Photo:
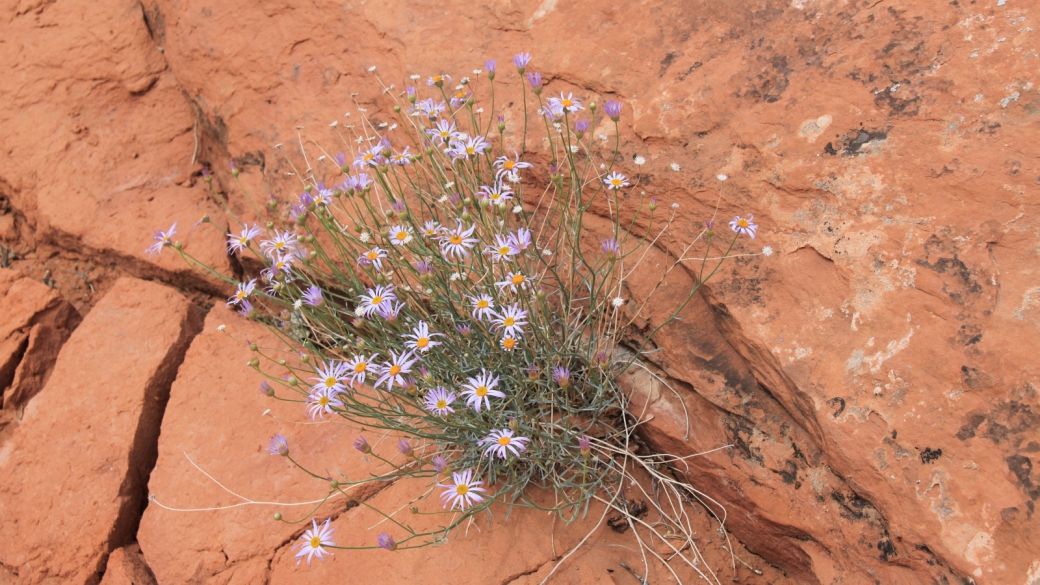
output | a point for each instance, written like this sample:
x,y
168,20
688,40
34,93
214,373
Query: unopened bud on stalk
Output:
x,y
541,295
313,254
653,203
278,516
429,151
270,225
292,381
253,347
592,106
465,215
485,203
334,484
709,227
309,238
397,109
501,126
281,362
234,169
272,203
253,363
305,357
308,188
176,245
513,424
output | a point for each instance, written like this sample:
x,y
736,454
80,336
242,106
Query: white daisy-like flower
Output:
x,y
244,290
518,209
439,400
297,304
767,251
457,242
477,390
320,403
721,177
373,257
357,368
313,541
477,71
502,442
400,235
617,302
330,376
639,161
393,370
365,237
508,343
511,320
675,167
381,297
574,148
420,339
462,491
483,306
513,281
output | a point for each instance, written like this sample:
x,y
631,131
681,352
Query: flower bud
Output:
x,y
305,357
292,380
278,516
397,109
253,363
513,425
501,126
253,347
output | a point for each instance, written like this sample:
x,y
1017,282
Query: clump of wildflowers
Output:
x,y
444,297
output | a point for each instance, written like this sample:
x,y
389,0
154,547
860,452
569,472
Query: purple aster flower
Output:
x,y
266,389
398,206
306,200
521,60
533,372
278,445
653,203
535,79
562,375
386,541
297,212
613,109
410,90
312,296
744,226
610,248
581,127
710,225
464,329
362,445
490,65
234,168
313,541
206,173
341,159
501,443
424,268
162,239
245,308
439,463
585,444
602,359
405,448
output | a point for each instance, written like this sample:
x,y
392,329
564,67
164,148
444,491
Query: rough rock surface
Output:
x,y
36,321
126,566
75,466
219,421
874,373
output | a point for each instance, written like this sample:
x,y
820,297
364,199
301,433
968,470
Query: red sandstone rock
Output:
x,y
126,566
89,76
886,149
34,322
75,466
217,417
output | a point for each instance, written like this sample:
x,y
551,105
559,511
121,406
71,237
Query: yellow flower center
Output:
x,y
422,342
360,367
402,235
483,304
324,401
742,223
518,279
615,182
470,150
243,241
438,78
508,165
279,245
504,250
509,343
315,542
330,382
240,294
461,489
508,321
442,404
460,95
377,300
372,255
481,391
503,440
394,370
566,103
455,239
